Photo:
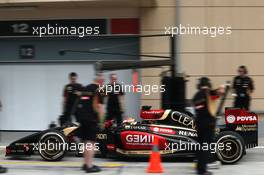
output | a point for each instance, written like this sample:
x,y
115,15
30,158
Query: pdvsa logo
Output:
x,y
156,129
246,118
163,130
231,119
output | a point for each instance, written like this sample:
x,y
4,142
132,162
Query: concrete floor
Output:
x,y
251,164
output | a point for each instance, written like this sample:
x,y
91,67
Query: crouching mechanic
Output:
x,y
90,111
204,102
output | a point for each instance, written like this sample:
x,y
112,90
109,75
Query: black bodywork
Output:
x,y
134,138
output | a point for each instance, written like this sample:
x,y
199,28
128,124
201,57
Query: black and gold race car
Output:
x,y
175,132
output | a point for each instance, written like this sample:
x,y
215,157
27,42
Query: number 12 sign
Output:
x,y
27,52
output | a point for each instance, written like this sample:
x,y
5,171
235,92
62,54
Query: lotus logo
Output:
x,y
230,118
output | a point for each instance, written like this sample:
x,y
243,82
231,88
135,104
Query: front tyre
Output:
x,y
233,149
52,146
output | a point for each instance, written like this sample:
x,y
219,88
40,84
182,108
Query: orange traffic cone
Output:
x,y
155,165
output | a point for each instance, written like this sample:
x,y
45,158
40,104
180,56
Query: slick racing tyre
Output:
x,y
52,146
234,147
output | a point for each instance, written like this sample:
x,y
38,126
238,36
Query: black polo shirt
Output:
x,y
113,103
242,84
69,92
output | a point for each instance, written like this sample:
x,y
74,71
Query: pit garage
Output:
x,y
34,71
144,42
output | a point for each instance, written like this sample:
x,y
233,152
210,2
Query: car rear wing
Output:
x,y
245,123
149,114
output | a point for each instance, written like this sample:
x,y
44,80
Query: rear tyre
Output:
x,y
52,146
234,147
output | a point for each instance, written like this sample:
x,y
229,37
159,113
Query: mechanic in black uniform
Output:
x,y
243,87
115,100
90,111
205,109
69,99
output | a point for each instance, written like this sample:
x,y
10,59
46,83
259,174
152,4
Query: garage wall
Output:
x,y
199,56
153,19
64,10
219,57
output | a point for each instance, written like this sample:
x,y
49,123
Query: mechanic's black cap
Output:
x,y
204,81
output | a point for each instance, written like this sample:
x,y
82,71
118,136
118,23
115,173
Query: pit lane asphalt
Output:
x,y
251,164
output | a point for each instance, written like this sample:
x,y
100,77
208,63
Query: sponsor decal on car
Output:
x,y
111,147
140,140
230,118
240,116
183,119
187,133
101,136
246,128
151,114
135,127
246,118
163,130
26,147
85,97
217,130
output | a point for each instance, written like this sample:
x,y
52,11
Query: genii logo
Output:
x,y
139,138
135,140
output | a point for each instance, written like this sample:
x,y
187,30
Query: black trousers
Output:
x,y
242,102
66,118
115,115
88,130
205,136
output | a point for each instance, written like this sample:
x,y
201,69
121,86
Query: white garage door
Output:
x,y
32,94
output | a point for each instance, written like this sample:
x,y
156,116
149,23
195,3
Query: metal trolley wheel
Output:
x,y
234,147
52,146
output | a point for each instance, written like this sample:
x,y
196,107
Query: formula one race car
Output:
x,y
174,130
177,136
